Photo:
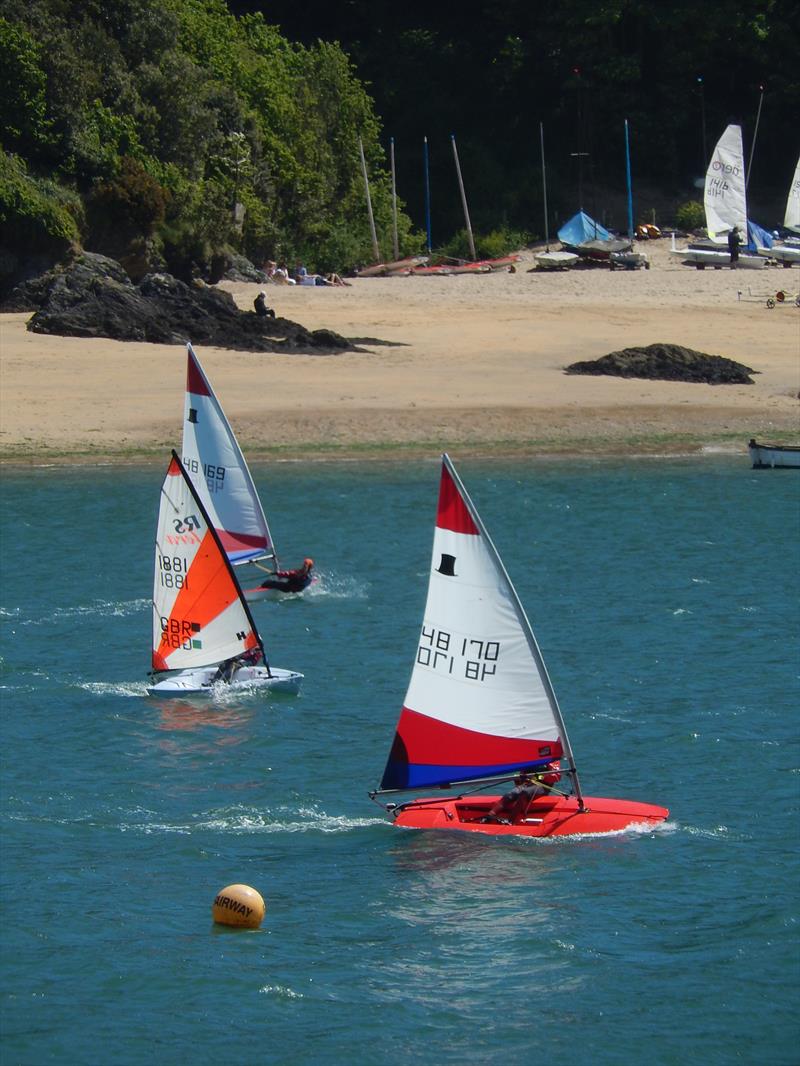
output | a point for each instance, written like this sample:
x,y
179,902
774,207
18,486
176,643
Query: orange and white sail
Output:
x,y
214,461
199,614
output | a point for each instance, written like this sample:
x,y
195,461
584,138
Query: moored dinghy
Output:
x,y
774,456
203,632
480,705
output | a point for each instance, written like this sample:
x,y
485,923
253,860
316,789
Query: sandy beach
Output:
x,y
472,363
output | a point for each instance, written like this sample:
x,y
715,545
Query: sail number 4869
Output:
x,y
466,657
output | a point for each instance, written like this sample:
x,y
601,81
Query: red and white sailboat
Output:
x,y
203,631
214,461
480,705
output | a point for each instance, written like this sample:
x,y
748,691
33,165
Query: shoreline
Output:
x,y
654,448
470,364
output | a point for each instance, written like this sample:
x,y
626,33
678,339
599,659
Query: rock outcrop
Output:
x,y
94,297
667,362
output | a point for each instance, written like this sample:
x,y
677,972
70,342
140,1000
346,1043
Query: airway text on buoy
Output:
x,y
239,905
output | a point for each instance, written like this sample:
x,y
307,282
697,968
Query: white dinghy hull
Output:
x,y
201,681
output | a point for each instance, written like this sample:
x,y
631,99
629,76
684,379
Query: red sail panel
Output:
x,y
195,381
427,751
452,512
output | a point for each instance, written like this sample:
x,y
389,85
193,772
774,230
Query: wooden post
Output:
x,y
375,249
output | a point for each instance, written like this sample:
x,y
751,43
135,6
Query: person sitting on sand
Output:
x,y
290,580
260,304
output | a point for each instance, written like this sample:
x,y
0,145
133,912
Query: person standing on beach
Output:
x,y
734,240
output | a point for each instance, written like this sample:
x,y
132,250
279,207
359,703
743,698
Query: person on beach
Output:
x,y
513,806
281,275
734,240
260,305
290,580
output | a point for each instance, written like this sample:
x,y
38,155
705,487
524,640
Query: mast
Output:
x,y
427,192
544,189
628,178
463,199
395,246
755,135
526,627
375,250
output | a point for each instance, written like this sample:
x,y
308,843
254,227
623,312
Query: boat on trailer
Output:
x,y
203,632
480,708
774,456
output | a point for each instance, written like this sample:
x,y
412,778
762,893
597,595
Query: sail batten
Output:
x,y
479,702
725,198
215,463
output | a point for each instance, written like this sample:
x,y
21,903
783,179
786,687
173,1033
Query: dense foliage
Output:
x,y
489,71
167,131
180,130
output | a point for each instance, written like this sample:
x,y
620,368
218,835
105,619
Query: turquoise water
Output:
x,y
664,595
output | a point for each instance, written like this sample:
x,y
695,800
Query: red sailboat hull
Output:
x,y
547,816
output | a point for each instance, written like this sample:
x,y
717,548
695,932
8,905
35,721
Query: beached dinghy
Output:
x,y
203,632
218,470
480,704
787,251
725,205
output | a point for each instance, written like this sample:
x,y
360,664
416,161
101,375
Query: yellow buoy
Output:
x,y
239,905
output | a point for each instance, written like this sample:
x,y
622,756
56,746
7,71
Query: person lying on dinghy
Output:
x,y
527,787
291,580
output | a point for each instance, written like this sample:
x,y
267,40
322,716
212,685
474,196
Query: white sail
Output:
x,y
479,701
214,461
199,615
791,219
725,200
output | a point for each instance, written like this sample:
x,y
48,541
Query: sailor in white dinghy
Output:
x,y
203,631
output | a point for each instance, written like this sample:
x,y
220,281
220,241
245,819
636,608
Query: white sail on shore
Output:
x,y
791,219
724,199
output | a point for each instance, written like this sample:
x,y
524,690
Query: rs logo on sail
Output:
x,y
185,528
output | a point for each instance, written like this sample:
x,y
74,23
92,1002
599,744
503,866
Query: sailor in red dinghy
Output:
x,y
480,707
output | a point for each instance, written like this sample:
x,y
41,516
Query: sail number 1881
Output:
x,y
172,571
466,657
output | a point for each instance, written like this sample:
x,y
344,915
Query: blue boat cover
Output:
x,y
757,237
581,228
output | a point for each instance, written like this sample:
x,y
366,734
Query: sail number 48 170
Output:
x,y
462,657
